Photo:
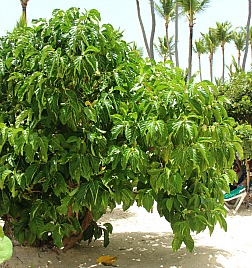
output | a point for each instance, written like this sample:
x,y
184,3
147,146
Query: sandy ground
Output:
x,y
143,240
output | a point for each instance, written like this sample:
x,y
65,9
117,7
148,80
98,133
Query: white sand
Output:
x,y
143,240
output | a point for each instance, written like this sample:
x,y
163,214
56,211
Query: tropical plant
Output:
x,y
247,36
83,119
190,8
60,81
239,39
162,48
224,35
200,49
149,46
211,44
238,89
166,9
239,94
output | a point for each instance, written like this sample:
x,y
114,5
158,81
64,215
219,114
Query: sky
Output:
x,y
122,14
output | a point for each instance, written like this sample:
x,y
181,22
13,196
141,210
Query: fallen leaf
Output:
x,y
106,260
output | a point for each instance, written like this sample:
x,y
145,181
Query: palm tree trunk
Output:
x,y
247,36
24,12
211,66
190,50
176,35
239,59
167,41
200,68
142,29
223,62
153,28
24,6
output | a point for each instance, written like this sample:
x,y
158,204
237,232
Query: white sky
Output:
x,y
122,14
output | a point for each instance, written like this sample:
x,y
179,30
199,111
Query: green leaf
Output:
x,y
116,130
1,232
57,236
43,142
148,202
169,203
189,242
30,173
176,242
5,174
106,238
94,189
6,249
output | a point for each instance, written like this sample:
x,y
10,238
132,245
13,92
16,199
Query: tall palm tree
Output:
x,y
190,8
199,48
149,46
211,44
24,6
247,36
153,28
162,47
176,32
239,39
166,9
224,35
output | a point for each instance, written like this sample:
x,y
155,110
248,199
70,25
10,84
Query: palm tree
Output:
x,y
239,38
153,27
176,32
149,47
137,50
200,49
211,44
166,9
24,5
224,35
247,36
190,8
162,48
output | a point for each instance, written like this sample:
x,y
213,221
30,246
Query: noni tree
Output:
x,y
83,119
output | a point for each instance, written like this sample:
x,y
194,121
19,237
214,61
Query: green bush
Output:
x,y
83,119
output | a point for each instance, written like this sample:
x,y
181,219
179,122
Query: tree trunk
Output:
x,y
239,59
142,29
211,66
200,68
24,5
223,62
153,28
24,12
176,36
70,241
247,36
190,50
167,40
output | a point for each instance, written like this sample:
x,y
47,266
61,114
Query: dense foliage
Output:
x,y
238,89
83,119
